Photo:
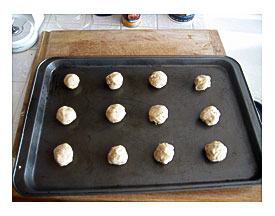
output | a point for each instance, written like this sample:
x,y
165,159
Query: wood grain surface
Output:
x,y
133,42
136,42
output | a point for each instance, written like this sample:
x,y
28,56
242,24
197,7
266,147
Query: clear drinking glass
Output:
x,y
74,21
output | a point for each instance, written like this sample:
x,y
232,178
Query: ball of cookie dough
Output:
x,y
66,115
63,154
202,82
115,113
158,114
71,81
117,155
216,151
114,80
164,153
210,115
158,79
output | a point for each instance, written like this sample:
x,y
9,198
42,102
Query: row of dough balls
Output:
x,y
157,79
63,154
114,113
157,114
164,153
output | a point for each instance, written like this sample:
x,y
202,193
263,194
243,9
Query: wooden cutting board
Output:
x,y
133,42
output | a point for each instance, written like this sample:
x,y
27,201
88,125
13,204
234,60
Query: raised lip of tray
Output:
x,y
25,190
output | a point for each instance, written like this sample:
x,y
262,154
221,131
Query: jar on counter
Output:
x,y
131,20
181,17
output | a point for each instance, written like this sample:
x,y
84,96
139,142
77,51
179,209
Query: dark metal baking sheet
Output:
x,y
91,135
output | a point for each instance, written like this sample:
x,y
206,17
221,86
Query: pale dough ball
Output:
x,y
202,82
158,79
210,115
66,115
216,151
158,114
63,154
115,113
117,155
71,81
164,153
114,80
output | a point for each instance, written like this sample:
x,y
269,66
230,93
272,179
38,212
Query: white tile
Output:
x,y
17,90
105,27
69,24
21,64
148,20
52,18
89,27
43,27
200,22
69,18
47,17
164,22
114,19
234,23
52,26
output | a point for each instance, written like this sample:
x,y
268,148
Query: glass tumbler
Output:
x,y
73,21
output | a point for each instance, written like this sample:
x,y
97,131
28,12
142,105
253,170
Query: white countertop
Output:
x,y
241,36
